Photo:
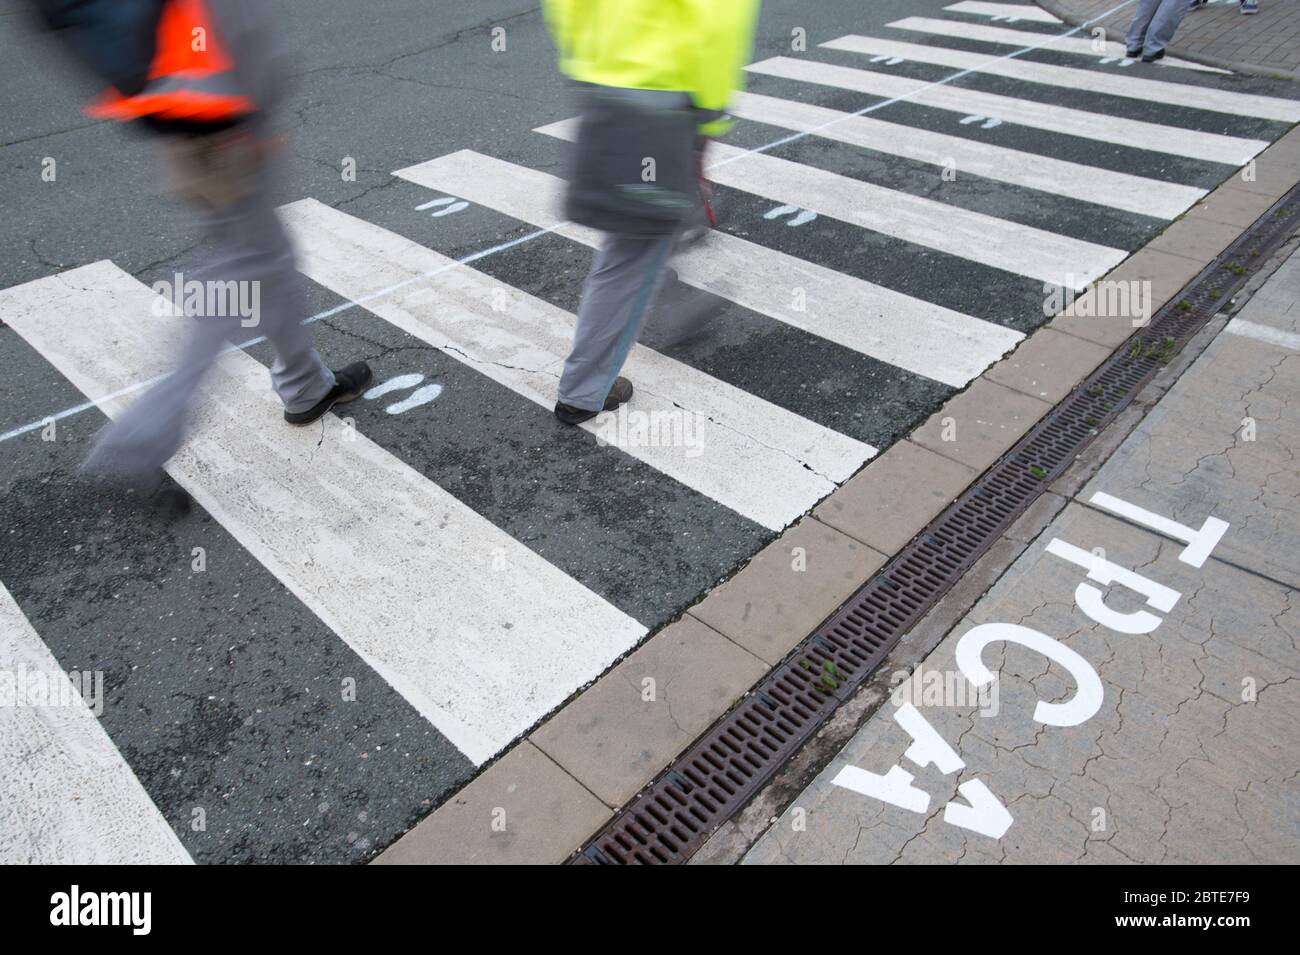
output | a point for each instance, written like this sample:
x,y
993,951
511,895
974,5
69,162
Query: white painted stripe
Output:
x,y
1264,333
481,635
758,459
1094,81
923,338
1027,38
1210,147
1021,11
1010,246
1117,190
67,797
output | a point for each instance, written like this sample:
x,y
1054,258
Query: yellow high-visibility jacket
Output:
x,y
694,46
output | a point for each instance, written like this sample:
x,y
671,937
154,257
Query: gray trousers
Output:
x,y
249,245
616,300
1154,25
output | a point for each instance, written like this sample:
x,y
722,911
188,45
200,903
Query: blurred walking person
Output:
x,y
654,78
204,77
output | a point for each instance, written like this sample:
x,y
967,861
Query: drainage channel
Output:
x,y
672,818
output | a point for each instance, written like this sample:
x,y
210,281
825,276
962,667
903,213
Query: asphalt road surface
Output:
x,y
386,602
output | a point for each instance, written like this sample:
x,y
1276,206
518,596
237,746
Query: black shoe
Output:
x,y
1133,54
349,382
1152,57
618,394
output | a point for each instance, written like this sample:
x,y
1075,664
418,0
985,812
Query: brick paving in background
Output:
x,y
1219,34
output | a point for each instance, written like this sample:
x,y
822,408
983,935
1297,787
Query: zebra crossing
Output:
x,y
387,601
926,339
1192,143
1021,39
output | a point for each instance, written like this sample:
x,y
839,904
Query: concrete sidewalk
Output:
x,y
1146,706
1265,43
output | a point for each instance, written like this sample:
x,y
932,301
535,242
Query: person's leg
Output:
x,y
256,251
250,248
616,298
1163,26
1137,31
143,438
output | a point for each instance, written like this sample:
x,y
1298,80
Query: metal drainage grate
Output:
x,y
670,820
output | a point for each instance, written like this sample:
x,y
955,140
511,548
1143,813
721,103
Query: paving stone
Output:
x,y
1286,149
1230,205
1048,365
1094,315
614,740
523,810
978,426
1198,239
1272,176
895,496
789,588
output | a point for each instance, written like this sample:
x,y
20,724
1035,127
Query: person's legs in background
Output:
x,y
1137,31
1163,24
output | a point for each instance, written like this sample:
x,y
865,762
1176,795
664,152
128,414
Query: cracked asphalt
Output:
x,y
1192,754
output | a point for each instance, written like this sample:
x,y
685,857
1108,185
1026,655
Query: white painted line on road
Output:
x,y
921,337
481,635
67,796
760,460
1111,84
1016,11
1210,147
1264,333
1117,190
1000,243
1010,246
1003,36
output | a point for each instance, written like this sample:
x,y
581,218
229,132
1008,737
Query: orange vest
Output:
x,y
191,77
